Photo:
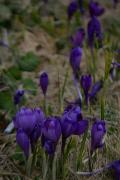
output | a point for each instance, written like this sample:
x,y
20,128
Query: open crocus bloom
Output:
x,y
72,122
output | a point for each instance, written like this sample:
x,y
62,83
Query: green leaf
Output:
x,y
30,85
15,72
5,13
6,101
28,62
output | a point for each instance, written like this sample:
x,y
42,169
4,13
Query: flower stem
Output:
x,y
77,88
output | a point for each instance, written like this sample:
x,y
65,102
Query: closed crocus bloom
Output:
x,y
95,89
94,32
86,82
75,59
23,141
44,82
17,96
72,8
78,37
95,9
116,167
25,119
68,121
98,132
51,129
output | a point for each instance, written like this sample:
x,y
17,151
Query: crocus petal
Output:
x,y
95,89
115,165
72,8
95,9
23,141
81,127
78,38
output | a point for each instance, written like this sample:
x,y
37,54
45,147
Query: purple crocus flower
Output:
x,y
23,141
95,89
28,123
86,82
94,32
78,37
95,9
116,167
25,119
44,82
17,96
75,59
51,132
72,8
51,129
72,122
98,132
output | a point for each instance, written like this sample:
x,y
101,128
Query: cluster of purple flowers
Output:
x,y
30,124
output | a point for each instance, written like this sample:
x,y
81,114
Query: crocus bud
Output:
x,y
75,59
51,129
94,32
72,8
95,9
44,82
86,82
17,96
116,168
78,37
23,141
95,89
98,132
